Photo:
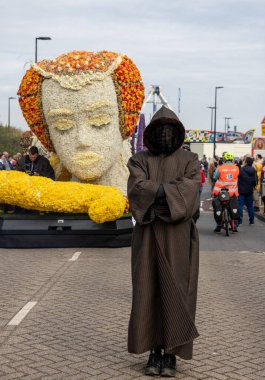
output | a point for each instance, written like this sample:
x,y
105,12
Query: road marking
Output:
x,y
75,256
15,321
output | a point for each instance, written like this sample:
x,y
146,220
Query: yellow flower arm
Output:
x,y
103,203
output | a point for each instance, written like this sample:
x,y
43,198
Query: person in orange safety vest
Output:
x,y
226,177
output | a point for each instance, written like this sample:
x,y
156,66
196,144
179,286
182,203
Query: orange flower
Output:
x,y
31,110
41,132
127,205
31,83
131,122
132,97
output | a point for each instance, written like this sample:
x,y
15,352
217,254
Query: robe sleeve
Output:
x,y
141,191
182,194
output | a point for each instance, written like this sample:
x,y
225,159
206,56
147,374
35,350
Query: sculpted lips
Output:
x,y
87,158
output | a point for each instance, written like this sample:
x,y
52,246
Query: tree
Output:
x,y
10,139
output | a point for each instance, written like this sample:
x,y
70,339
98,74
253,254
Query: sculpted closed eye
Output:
x,y
61,118
63,124
99,120
100,104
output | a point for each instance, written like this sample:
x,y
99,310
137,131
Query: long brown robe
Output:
x,y
165,252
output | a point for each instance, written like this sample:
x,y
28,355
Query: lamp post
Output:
x,y
227,127
36,45
211,108
8,121
215,108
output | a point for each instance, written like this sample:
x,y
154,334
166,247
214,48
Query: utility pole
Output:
x,y
36,45
211,108
227,126
215,108
8,120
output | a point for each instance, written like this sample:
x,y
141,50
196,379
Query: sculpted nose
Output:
x,y
84,135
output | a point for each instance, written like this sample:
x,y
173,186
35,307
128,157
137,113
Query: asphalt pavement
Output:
x,y
64,312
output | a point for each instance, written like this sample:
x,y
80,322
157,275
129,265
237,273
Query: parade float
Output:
x,y
82,107
202,142
258,144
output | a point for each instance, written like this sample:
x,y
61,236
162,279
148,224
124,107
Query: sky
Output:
x,y
193,45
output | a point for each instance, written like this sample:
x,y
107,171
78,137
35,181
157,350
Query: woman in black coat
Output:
x,y
247,181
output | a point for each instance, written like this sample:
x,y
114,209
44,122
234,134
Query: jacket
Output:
x,y
202,178
247,180
258,167
41,165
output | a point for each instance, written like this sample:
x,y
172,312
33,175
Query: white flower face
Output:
x,y
84,126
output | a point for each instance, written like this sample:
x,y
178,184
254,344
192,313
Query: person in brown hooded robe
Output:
x,y
163,192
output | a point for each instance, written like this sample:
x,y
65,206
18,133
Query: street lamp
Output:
x,y
227,126
214,131
36,45
8,122
211,108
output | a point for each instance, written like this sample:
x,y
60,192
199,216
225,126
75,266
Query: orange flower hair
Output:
x,y
126,78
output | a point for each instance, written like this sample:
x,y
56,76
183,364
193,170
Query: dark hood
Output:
x,y
165,129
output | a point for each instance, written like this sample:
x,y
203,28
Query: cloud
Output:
x,y
192,45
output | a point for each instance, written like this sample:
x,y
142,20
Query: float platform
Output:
x,y
54,230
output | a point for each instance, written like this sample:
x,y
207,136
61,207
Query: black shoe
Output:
x,y
169,367
153,366
235,229
217,229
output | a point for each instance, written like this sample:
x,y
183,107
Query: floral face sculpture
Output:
x,y
83,106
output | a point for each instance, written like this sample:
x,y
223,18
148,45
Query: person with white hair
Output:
x,y
5,161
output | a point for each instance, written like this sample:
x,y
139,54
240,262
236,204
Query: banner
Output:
x,y
205,136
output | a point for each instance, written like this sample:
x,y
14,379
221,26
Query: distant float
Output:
x,y
205,136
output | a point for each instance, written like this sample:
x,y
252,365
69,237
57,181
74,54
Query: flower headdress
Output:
x,y
73,71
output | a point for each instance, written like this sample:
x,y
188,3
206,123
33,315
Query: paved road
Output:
x,y
249,238
77,328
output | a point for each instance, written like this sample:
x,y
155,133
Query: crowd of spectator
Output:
x,y
7,161
257,193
